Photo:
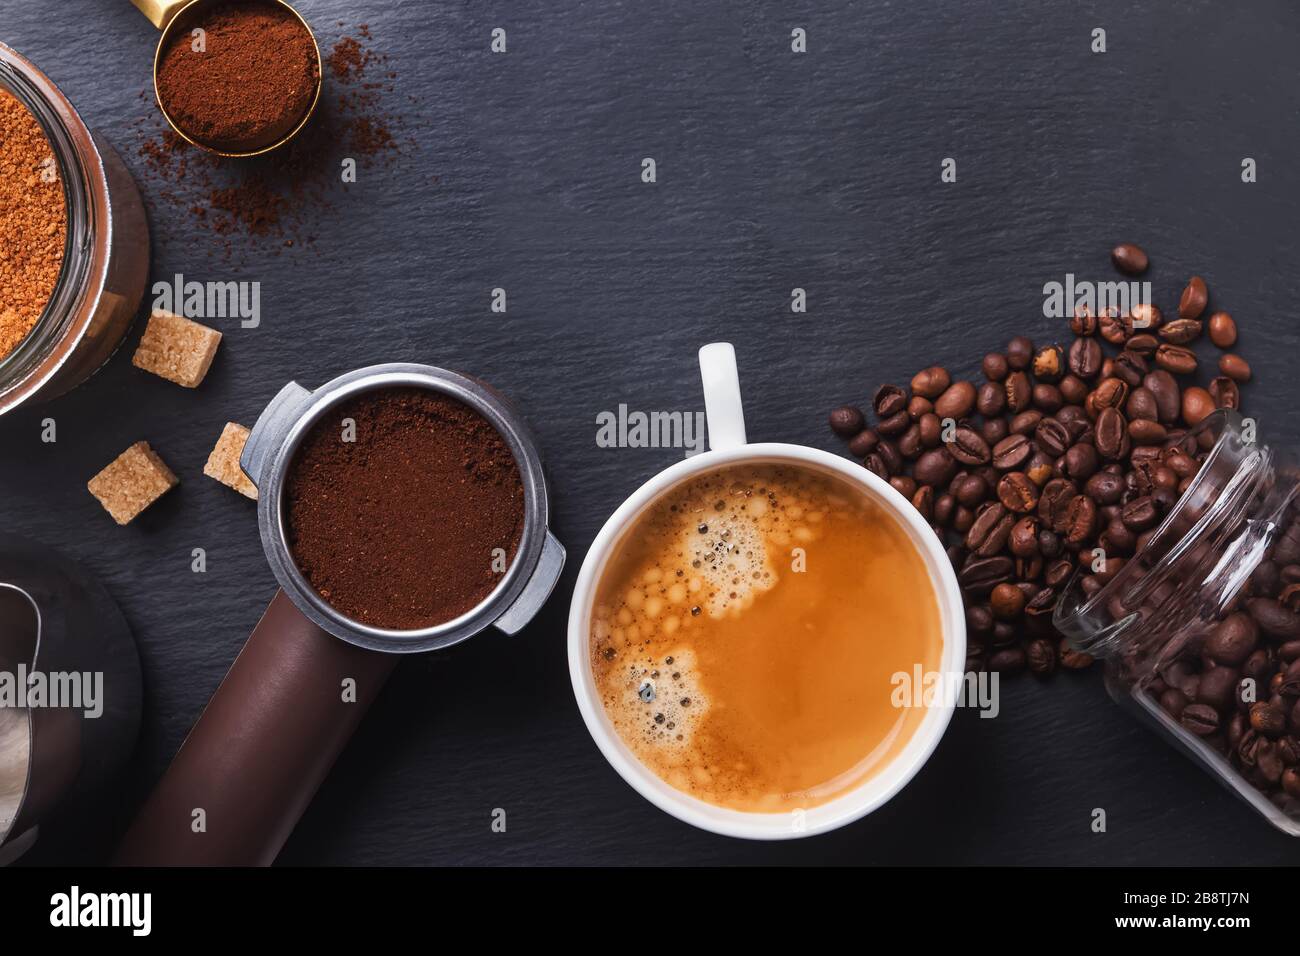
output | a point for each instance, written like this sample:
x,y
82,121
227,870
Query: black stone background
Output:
x,y
775,170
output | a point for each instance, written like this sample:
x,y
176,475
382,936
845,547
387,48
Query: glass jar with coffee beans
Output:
x,y
1065,457
1200,631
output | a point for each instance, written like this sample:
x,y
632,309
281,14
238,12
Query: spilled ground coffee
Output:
x,y
412,522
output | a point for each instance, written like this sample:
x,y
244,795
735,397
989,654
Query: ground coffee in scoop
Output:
x,y
404,508
246,83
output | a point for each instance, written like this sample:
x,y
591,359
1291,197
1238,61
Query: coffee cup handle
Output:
x,y
722,404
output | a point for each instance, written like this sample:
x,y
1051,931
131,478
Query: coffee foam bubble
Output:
x,y
722,541
657,703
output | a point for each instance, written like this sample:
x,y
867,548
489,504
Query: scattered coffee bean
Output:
x,y
1194,297
847,421
1129,259
931,382
1234,367
1223,330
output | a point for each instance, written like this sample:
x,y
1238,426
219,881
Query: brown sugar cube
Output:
x,y
135,480
223,463
177,349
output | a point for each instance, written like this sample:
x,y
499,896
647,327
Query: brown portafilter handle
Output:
x,y
261,748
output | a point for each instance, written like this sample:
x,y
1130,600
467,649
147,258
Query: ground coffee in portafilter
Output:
x,y
1063,457
246,82
412,522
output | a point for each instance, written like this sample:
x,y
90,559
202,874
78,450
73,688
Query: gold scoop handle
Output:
x,y
160,12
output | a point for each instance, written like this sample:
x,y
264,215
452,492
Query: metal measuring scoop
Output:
x,y
278,721
178,16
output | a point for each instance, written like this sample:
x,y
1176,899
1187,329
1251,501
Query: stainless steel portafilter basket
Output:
x,y
307,674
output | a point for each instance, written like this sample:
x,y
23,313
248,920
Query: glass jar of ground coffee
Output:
x,y
74,242
1200,630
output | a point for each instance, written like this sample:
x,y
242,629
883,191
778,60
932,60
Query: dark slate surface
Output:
x,y
775,171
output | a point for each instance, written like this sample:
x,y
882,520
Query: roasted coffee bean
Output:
x,y
956,402
968,447
1023,540
1176,359
889,400
1017,492
1083,322
1026,422
1111,437
1012,452
1008,660
993,430
1181,331
1117,539
1081,520
1173,701
923,502
962,519
1058,572
1007,601
995,366
1144,432
1080,462
1112,328
1223,330
931,430
1071,659
979,619
1224,393
1049,543
1020,352
1196,404
905,485
894,424
1266,718
1234,367
1165,391
970,490
1200,719
1141,404
981,575
1110,392
931,382
1143,345
1105,487
1129,259
1286,550
1047,398
1018,391
1054,504
1217,687
1052,437
986,536
1041,656
889,454
1130,368
918,407
876,465
1273,619
1144,317
935,467
1233,640
1192,302
1085,358
863,443
1073,389
990,399
1140,514
944,506
1048,365
909,443
847,420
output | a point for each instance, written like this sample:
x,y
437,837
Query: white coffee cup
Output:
x,y
727,446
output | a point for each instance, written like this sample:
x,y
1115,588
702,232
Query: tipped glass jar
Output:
x,y
106,255
1200,630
